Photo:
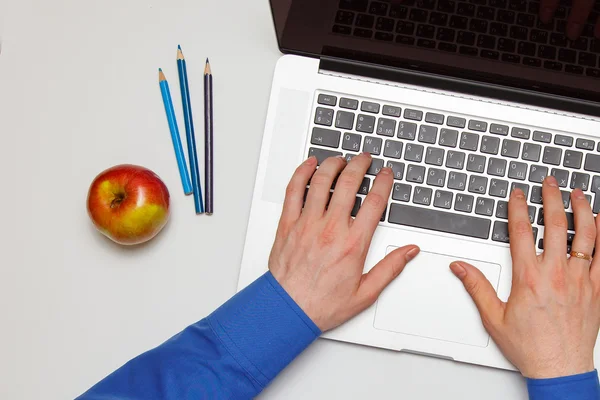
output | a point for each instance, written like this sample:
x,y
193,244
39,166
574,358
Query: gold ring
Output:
x,y
583,256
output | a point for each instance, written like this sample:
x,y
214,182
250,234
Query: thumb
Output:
x,y
490,307
382,274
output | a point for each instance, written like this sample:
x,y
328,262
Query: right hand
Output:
x,y
580,12
548,327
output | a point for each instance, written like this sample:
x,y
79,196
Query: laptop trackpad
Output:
x,y
427,300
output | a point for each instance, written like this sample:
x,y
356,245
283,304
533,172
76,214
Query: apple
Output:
x,y
129,204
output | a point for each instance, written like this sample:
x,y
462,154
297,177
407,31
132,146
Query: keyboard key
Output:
x,y
490,144
547,52
536,195
369,107
517,170
499,129
517,5
439,221
592,163
407,130
433,118
356,208
538,36
484,206
508,17
428,134
428,43
563,140
443,199
467,38
498,29
365,123
502,210
493,55
478,126
465,9
392,149
464,203
468,51
405,28
531,152
415,174
354,5
436,177
448,137
398,11
384,36
596,190
385,24
458,22
455,159
507,45
566,198
469,141
513,58
478,25
585,144
572,159
391,111
486,42
343,30
446,35
457,180
520,133
552,155
537,173
500,232
401,192
375,167
413,152
422,195
397,169
478,184
523,186
326,99
439,19
446,6
349,104
426,31
593,72
531,211
351,142
526,49
456,122
476,163
566,55
344,120
553,65
363,33
570,220
543,137
532,62
580,44
349,156
365,186
562,176
413,114
587,59
324,116
434,156
372,145
322,154
518,32
386,127
496,167
325,137
580,180
365,21
527,20
511,148
498,188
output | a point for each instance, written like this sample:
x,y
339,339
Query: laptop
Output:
x,y
464,100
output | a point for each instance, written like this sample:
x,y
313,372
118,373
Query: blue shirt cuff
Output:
x,y
576,387
263,328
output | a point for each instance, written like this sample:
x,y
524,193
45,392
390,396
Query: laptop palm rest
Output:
x,y
427,300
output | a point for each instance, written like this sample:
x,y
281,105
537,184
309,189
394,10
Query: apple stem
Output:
x,y
119,197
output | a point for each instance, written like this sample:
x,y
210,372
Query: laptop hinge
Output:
x,y
415,77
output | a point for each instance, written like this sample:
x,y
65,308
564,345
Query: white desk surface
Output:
x,y
78,94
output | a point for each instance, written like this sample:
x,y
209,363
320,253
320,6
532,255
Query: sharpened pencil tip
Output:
x,y
161,75
207,70
180,54
178,47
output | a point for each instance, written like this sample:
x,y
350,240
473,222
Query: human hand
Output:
x,y
550,323
319,251
580,12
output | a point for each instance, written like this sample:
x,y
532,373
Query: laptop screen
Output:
x,y
492,41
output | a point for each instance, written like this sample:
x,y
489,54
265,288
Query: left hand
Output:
x,y
580,11
320,250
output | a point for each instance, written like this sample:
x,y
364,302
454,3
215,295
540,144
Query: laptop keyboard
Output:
x,y
509,31
454,173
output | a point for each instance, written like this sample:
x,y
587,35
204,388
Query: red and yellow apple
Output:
x,y
129,204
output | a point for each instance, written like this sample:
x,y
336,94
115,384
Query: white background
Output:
x,y
79,94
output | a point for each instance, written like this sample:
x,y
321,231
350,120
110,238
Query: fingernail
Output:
x,y
367,154
578,194
574,30
385,171
518,194
551,181
342,157
311,160
458,270
546,14
412,254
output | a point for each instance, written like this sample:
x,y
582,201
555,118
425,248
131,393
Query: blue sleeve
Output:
x,y
575,387
232,354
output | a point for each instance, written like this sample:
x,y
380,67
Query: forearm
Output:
x,y
576,387
232,354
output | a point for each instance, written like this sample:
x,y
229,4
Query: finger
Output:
x,y
578,17
595,267
294,194
555,220
585,227
547,9
374,205
320,186
491,308
597,30
522,246
348,184
382,274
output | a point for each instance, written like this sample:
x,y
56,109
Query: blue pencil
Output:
x,y
189,131
166,95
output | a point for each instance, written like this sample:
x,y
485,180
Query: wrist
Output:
x,y
557,371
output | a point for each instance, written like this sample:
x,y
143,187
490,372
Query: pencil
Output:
x,y
189,131
166,95
208,138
